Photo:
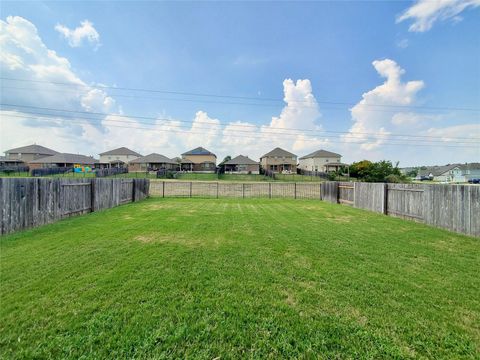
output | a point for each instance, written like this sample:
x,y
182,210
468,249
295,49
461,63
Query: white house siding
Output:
x,y
316,164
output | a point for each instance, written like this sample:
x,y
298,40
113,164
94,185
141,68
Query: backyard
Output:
x,y
239,278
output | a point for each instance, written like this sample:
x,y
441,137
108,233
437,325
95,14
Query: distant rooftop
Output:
x,y
279,152
66,158
241,160
320,154
121,151
153,158
199,151
32,149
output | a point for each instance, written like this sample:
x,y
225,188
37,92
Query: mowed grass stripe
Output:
x,y
245,278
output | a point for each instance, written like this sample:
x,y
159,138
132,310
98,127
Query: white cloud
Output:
x,y
424,13
76,37
25,56
371,114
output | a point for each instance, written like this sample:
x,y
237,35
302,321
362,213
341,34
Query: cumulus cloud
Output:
x,y
424,13
81,34
368,114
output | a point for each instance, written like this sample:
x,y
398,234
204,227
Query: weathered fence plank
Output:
x,y
31,202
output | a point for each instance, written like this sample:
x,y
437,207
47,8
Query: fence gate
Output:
x,y
126,191
75,197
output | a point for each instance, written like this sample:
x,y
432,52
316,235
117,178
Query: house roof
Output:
x,y
470,166
121,151
199,151
278,152
66,158
153,158
437,170
320,154
241,160
32,149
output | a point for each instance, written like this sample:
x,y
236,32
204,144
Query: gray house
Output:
x,y
152,162
63,160
241,165
29,153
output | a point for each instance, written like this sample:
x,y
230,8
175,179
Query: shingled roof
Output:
x,y
121,151
437,170
241,160
199,151
66,158
320,154
153,158
279,152
32,149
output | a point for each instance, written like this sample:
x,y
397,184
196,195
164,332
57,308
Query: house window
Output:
x,y
326,160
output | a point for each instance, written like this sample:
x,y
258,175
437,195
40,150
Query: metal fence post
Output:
x,y
163,189
217,189
190,189
269,190
295,191
243,191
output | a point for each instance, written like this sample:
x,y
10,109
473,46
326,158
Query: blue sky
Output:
x,y
248,49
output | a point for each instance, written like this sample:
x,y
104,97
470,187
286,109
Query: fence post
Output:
x,y
295,190
385,198
134,185
269,190
354,205
190,189
92,195
243,191
320,190
217,189
163,189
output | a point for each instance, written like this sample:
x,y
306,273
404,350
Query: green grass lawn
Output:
x,y
195,176
196,278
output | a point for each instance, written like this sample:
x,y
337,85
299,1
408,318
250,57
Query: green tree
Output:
x,y
227,158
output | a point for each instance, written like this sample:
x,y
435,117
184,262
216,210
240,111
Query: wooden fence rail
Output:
x,y
31,202
453,207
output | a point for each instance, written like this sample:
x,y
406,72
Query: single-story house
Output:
x,y
279,160
241,165
200,160
29,153
152,162
63,160
118,157
321,160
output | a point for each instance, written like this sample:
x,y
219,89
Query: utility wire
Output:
x,y
237,125
233,96
255,136
263,132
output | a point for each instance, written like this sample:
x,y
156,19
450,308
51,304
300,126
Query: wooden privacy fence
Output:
x,y
453,207
29,202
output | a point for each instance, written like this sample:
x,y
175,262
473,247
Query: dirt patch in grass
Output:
x,y
184,239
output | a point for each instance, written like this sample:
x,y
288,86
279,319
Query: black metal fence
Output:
x,y
110,171
51,171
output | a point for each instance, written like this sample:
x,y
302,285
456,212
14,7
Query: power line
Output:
x,y
237,97
420,137
263,131
256,136
325,107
